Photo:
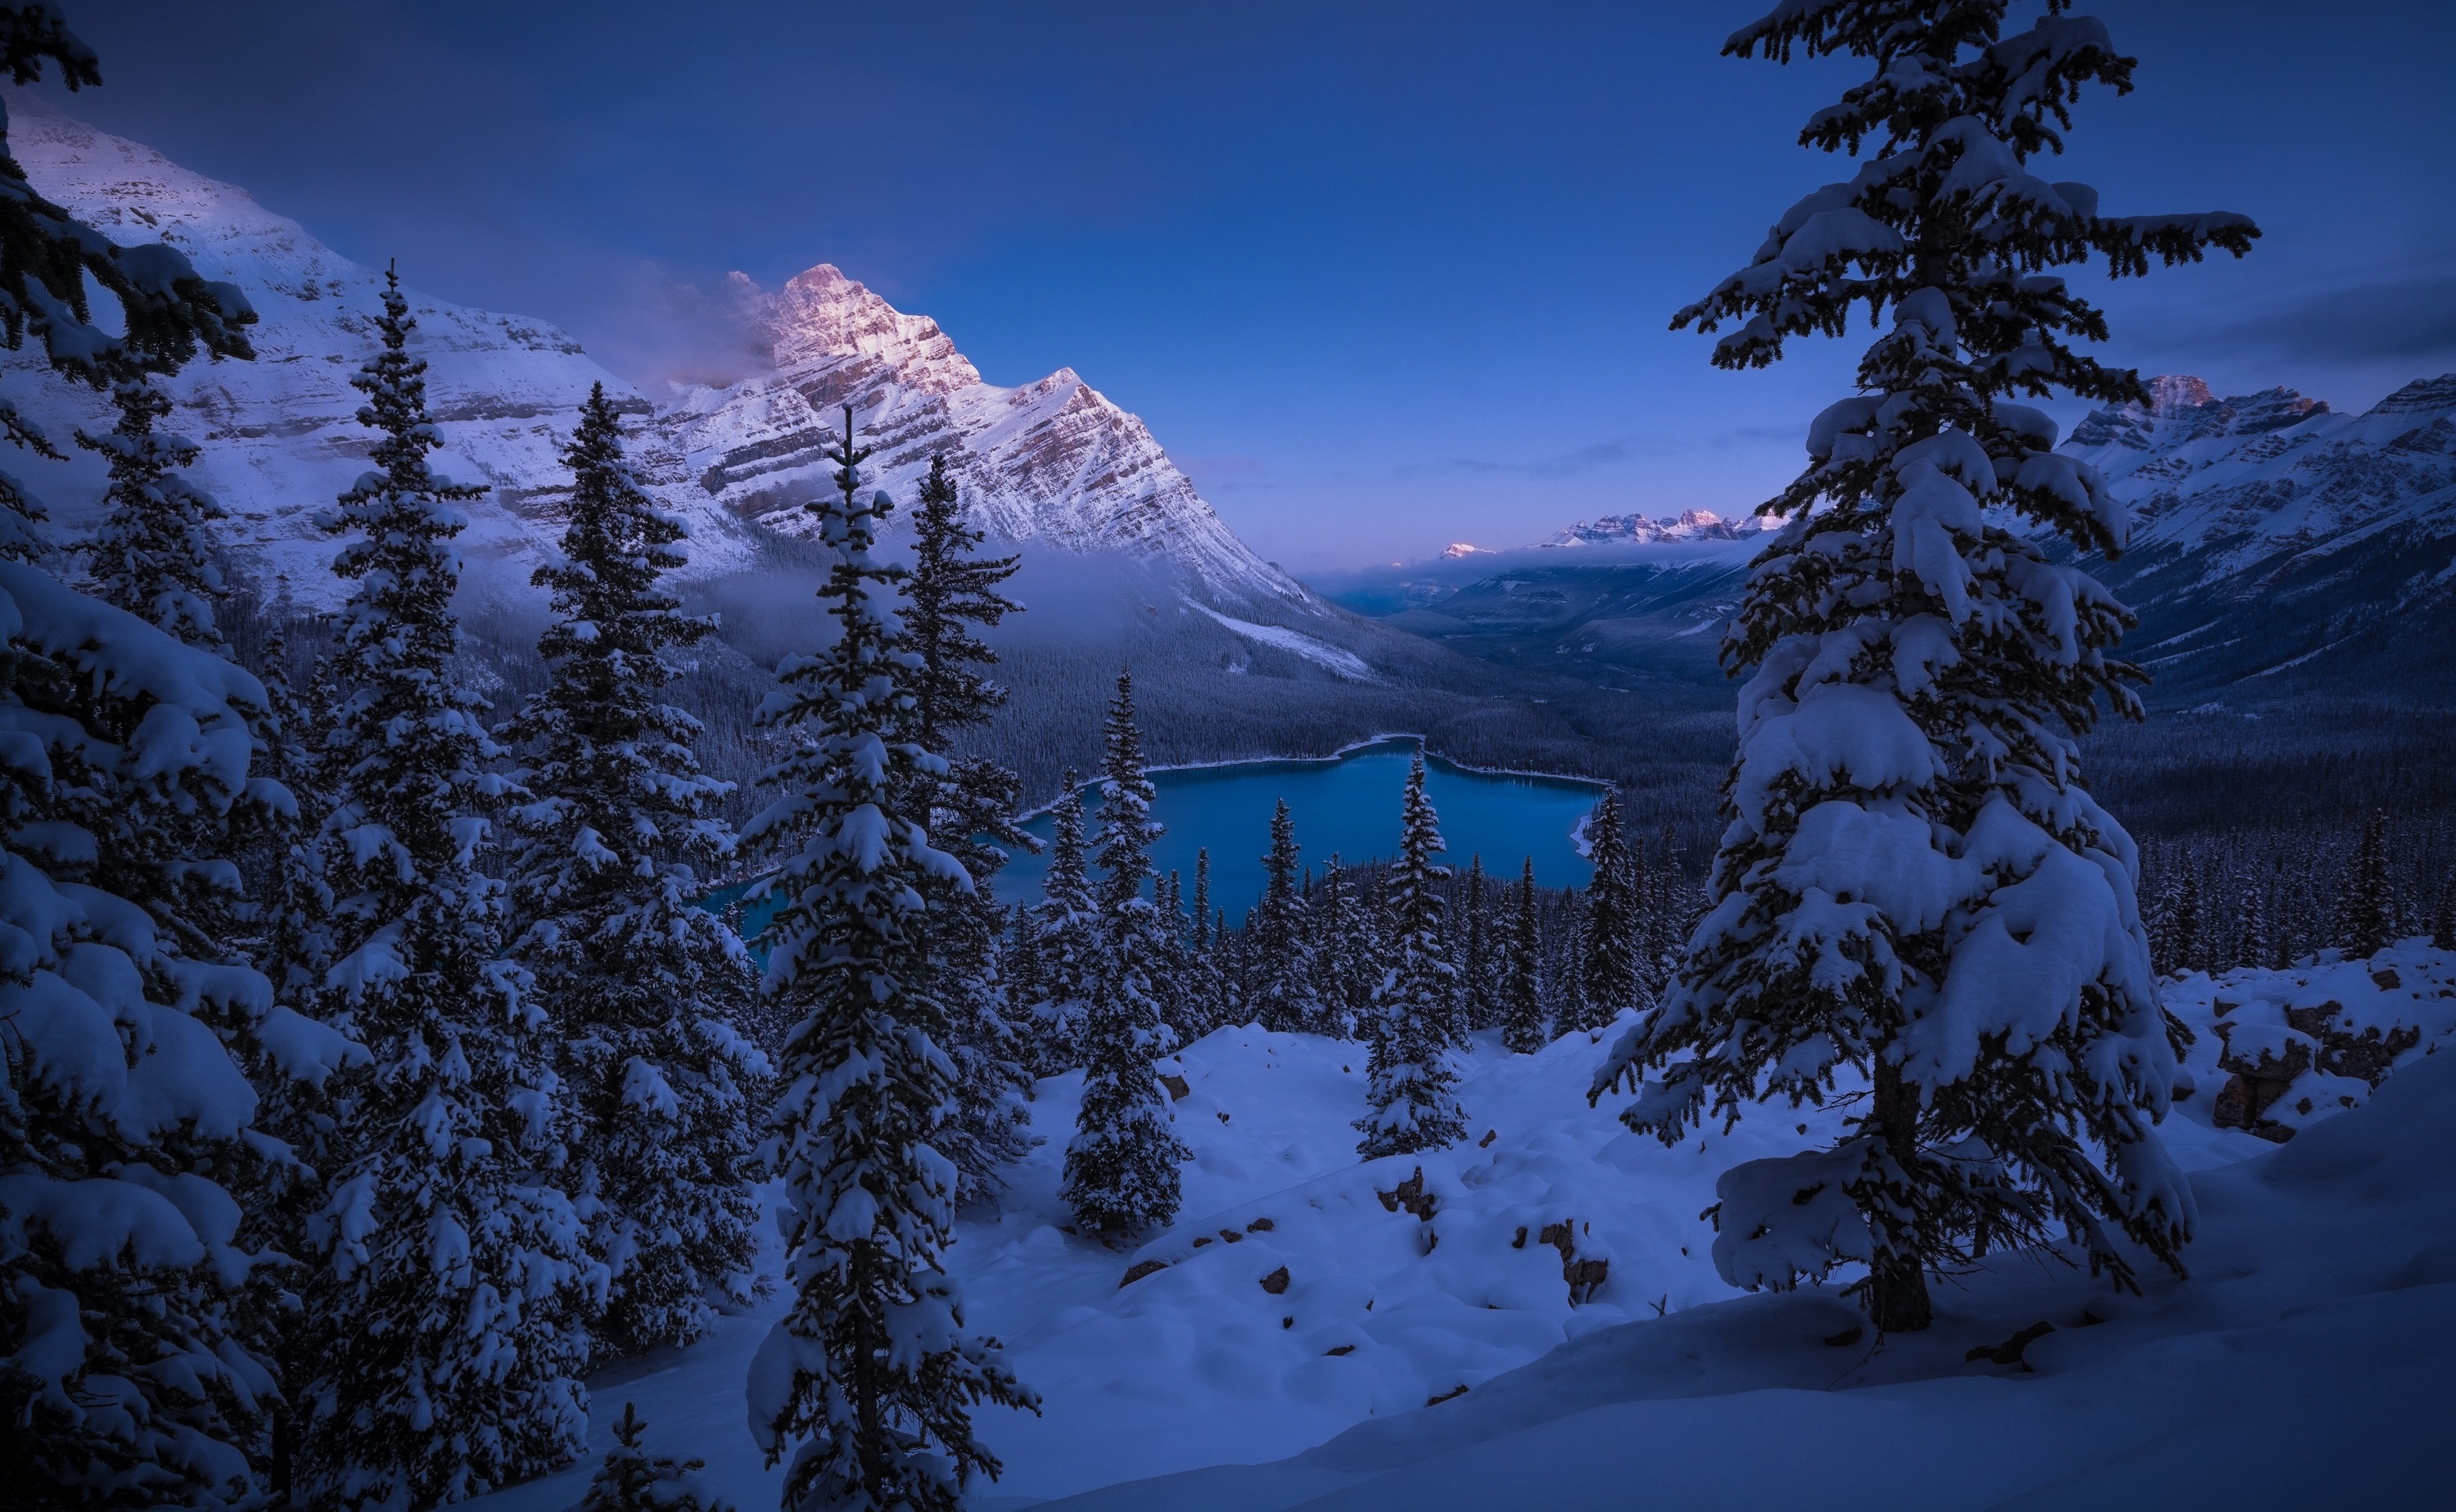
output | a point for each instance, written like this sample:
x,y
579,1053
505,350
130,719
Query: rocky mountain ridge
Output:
x,y
1633,529
1052,462
2279,545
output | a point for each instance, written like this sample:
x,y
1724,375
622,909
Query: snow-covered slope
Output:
x,y
1051,462
2279,547
2280,544
2252,472
281,435
1557,1265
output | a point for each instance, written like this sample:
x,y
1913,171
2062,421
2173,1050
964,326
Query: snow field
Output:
x,y
2276,1350
2305,1362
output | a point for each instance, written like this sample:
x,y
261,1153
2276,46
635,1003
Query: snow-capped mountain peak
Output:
x,y
821,315
1053,462
1690,525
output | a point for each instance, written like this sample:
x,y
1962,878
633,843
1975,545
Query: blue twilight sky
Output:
x,y
1380,276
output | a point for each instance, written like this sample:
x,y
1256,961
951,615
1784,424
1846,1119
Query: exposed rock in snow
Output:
x,y
2279,543
2274,467
1556,1264
1051,461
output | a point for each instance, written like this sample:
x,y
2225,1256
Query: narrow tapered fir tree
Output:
x,y
1914,888
1610,959
447,1311
1478,984
953,593
1064,941
2367,921
154,556
632,1479
869,1380
1347,953
644,989
1412,1098
1522,1027
1121,1167
1280,993
1205,983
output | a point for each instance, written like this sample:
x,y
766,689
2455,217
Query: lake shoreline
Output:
x,y
1341,753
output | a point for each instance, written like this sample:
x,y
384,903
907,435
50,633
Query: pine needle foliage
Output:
x,y
1412,1097
1063,939
447,1315
1282,995
953,593
134,1362
1610,976
632,1479
869,1380
1915,887
154,556
643,989
1522,972
1121,1168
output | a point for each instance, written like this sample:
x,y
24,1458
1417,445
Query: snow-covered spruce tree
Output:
x,y
1522,972
2250,928
1914,886
869,1380
1182,1014
1669,907
950,592
1204,984
153,556
2367,921
642,987
1121,1175
632,1479
1413,1097
1064,942
1610,974
1479,995
132,1362
1347,953
446,1318
1281,991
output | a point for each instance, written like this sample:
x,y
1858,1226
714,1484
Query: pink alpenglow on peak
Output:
x,y
1052,463
1690,525
821,315
1458,550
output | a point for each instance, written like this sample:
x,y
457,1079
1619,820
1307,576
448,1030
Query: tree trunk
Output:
x,y
1898,1301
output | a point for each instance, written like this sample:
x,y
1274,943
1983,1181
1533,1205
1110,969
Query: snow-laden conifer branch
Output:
x,y
869,1380
1915,887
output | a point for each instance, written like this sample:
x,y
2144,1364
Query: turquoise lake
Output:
x,y
1347,804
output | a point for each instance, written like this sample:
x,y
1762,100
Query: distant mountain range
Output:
x,y
2280,546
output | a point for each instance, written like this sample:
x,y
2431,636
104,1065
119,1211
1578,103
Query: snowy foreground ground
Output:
x,y
2309,1360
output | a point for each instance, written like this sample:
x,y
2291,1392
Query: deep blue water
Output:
x,y
1347,804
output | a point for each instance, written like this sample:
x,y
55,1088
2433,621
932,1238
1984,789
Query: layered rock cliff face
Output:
x,y
2280,544
1051,462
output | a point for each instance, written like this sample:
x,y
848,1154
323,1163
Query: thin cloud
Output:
x,y
1566,465
2408,318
